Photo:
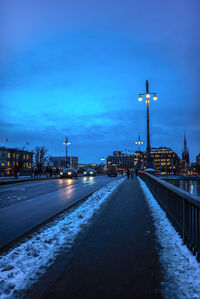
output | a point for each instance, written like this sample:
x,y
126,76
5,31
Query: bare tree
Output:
x,y
41,157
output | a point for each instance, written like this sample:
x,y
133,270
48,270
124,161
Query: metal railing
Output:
x,y
182,209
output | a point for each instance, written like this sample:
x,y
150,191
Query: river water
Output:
x,y
190,186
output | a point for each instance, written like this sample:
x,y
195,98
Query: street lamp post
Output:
x,y
139,142
102,160
66,143
149,163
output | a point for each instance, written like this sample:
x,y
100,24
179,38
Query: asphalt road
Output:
x,y
24,206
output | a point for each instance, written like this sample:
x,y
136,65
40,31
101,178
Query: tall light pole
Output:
x,y
66,143
102,160
149,163
139,142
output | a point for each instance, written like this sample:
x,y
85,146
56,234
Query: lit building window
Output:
x,y
2,164
8,155
8,163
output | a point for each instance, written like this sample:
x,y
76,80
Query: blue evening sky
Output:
x,y
75,68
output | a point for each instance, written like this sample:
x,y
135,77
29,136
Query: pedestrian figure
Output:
x,y
36,173
32,172
15,170
128,173
47,171
57,171
136,172
132,173
39,171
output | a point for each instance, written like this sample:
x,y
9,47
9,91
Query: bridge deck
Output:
x,y
116,257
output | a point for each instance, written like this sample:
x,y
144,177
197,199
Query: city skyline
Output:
x,y
126,151
76,70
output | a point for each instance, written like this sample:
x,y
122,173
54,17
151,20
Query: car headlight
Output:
x,y
91,172
85,172
61,173
69,173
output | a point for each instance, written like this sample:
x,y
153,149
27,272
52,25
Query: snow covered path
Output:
x,y
181,269
27,261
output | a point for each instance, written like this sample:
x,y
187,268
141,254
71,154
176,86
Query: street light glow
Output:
x,y
147,95
155,98
140,99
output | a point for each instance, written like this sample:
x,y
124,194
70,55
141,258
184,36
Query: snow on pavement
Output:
x,y
180,268
22,265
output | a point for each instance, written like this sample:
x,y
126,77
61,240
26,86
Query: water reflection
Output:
x,y
193,187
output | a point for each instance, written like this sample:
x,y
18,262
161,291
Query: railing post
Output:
x,y
198,236
166,201
196,225
183,220
192,229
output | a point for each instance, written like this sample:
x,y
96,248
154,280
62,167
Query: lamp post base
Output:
x,y
149,161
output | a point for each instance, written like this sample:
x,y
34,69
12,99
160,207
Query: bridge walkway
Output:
x,y
117,257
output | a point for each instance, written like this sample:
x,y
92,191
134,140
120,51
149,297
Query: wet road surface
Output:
x,y
116,257
24,206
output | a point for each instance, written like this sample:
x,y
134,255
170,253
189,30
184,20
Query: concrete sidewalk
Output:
x,y
116,257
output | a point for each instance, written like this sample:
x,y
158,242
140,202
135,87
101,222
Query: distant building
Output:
x,y
74,162
165,161
139,160
57,162
120,160
11,158
198,163
60,161
185,154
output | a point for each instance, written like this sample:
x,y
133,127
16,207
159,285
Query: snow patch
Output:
x,y
180,268
25,263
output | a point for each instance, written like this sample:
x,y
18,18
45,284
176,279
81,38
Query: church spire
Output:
x,y
185,149
185,153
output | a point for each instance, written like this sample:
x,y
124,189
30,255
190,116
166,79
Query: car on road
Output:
x,y
112,171
90,172
68,173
